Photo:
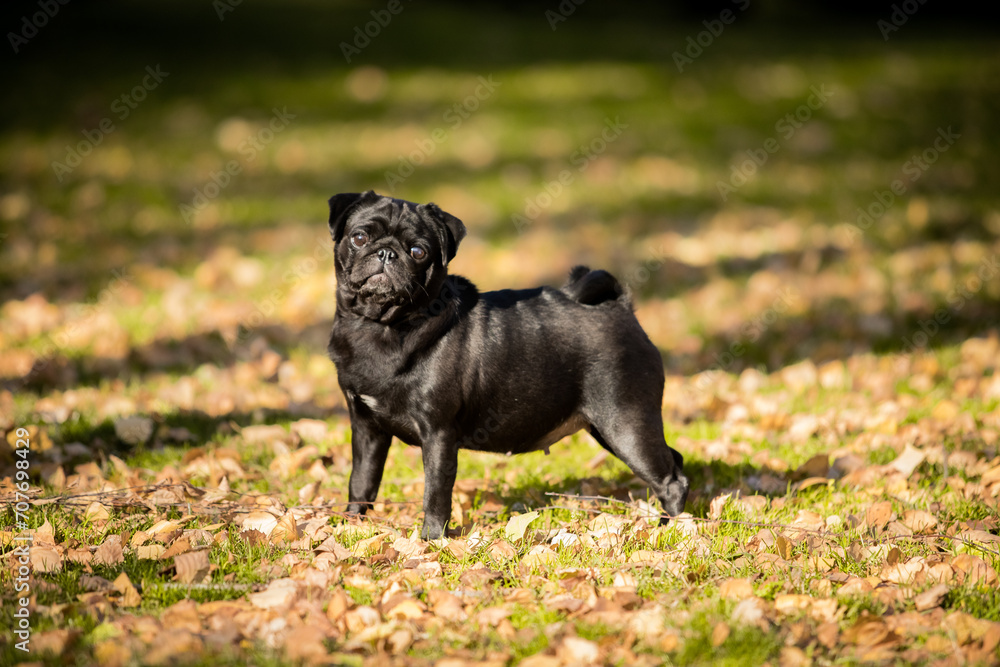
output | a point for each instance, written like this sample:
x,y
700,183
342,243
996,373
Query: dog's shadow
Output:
x,y
622,490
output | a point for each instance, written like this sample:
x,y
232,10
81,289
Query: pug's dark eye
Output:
x,y
417,253
359,239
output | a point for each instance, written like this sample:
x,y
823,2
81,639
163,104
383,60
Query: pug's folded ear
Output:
x,y
340,208
451,230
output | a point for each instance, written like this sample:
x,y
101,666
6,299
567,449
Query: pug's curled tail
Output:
x,y
595,287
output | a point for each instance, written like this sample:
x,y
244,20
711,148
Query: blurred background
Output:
x,y
774,181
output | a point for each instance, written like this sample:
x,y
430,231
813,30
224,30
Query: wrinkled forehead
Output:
x,y
387,210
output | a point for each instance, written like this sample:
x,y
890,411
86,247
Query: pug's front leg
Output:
x,y
440,457
369,450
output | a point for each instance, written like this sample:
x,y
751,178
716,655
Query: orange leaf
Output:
x,y
183,545
879,515
736,589
720,633
286,530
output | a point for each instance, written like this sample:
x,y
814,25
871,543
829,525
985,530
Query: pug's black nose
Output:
x,y
386,255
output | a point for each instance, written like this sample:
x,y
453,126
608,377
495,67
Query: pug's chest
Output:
x,y
393,409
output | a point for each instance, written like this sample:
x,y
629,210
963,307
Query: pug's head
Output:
x,y
391,255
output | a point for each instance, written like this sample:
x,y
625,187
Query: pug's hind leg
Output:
x,y
640,444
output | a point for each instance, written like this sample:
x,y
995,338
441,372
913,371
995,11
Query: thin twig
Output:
x,y
758,524
211,586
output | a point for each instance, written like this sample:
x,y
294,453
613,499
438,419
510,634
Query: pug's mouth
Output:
x,y
379,287
377,280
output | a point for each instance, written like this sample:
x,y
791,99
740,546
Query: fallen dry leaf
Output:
x,y
96,512
974,570
751,611
920,521
540,556
720,633
578,651
792,604
192,566
110,553
879,515
261,521
360,618
285,530
908,461
46,559
130,596
866,632
278,596
54,642
931,598
517,525
736,589
306,644
177,547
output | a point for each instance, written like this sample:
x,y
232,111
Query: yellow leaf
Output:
x,y
518,524
150,552
784,546
130,596
163,526
406,610
945,411
539,556
96,512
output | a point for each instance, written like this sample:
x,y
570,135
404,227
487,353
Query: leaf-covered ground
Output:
x,y
833,380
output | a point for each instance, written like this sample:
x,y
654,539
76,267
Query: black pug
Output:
x,y
423,356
